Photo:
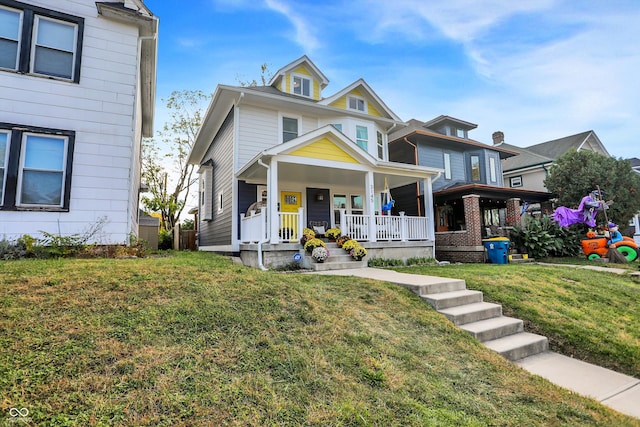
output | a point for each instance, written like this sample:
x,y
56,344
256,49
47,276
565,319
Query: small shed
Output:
x,y
148,230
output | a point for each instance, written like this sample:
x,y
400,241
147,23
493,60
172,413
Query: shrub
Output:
x,y
165,240
542,237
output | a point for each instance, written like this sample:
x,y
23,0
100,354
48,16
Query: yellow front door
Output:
x,y
290,202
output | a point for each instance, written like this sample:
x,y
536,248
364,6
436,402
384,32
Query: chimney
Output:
x,y
498,138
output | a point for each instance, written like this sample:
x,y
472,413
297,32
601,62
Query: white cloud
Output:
x,y
303,35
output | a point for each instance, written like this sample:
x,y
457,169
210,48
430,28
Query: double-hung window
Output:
x,y
289,129
35,167
356,103
380,141
40,41
301,86
362,137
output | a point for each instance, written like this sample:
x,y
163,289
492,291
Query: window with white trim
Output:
x,y
475,168
493,170
380,141
206,186
35,168
362,137
447,165
515,181
356,103
301,85
220,202
289,129
40,41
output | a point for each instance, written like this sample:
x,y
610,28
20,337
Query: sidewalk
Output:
x,y
618,391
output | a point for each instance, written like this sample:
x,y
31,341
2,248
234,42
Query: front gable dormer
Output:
x,y
358,97
301,77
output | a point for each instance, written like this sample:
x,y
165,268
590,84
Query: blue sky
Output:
x,y
535,69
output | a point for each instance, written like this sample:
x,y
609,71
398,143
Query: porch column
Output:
x,y
428,208
370,205
273,195
473,219
513,212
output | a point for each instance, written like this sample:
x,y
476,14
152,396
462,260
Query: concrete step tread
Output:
x,y
514,341
469,308
487,324
451,294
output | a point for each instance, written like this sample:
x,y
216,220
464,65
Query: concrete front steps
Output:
x,y
483,320
338,260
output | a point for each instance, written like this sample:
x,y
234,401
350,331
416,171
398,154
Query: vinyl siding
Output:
x,y
101,110
218,231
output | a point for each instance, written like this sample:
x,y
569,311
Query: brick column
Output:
x,y
513,212
473,219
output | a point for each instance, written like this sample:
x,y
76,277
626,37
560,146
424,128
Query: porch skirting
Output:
x,y
460,253
282,254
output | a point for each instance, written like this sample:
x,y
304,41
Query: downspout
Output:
x,y
265,238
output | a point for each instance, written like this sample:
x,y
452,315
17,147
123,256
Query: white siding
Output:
x,y
258,130
101,109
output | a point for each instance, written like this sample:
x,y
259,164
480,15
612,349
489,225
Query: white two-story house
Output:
x,y
277,158
77,93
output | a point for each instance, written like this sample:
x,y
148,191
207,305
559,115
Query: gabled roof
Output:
x,y
444,119
303,60
368,93
635,164
549,151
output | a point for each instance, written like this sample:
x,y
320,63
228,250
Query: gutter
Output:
x,y
266,238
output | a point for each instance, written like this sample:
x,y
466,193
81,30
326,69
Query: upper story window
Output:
x,y
289,129
302,86
36,167
362,137
380,145
475,168
40,41
447,165
493,169
460,133
515,181
356,103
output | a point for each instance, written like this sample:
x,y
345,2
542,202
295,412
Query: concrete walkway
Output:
x,y
618,391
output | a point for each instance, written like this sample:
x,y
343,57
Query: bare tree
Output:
x,y
164,164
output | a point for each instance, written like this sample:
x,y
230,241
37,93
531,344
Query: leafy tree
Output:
x,y
577,173
164,164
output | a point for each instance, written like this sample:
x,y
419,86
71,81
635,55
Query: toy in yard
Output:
x,y
585,214
599,246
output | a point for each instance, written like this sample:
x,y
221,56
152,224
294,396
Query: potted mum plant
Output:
x,y
312,244
332,233
349,245
358,253
340,240
320,254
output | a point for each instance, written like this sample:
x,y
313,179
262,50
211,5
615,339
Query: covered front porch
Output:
x,y
322,181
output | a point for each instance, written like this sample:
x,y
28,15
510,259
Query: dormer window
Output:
x,y
356,103
460,133
301,86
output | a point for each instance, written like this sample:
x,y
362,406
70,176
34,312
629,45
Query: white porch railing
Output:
x,y
290,225
253,228
387,227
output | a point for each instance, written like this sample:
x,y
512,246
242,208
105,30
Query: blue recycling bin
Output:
x,y
497,249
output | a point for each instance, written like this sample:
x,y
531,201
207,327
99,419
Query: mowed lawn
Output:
x,y
193,339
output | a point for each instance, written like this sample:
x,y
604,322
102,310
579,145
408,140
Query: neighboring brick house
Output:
x,y
77,94
470,199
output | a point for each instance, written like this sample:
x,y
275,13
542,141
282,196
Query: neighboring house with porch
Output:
x,y
277,158
77,94
635,222
470,199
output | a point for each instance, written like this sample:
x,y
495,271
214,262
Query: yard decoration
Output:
x,y
386,208
590,205
597,247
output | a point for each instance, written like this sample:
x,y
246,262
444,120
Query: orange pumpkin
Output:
x,y
591,234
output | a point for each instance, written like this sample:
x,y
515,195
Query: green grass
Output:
x,y
193,339
586,314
